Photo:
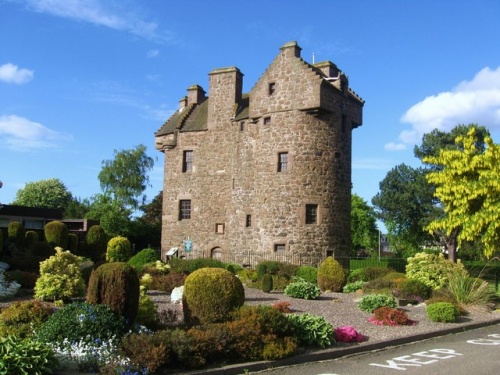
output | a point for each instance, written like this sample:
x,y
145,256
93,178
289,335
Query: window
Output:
x,y
311,213
242,126
184,209
187,161
279,248
271,88
282,161
248,221
267,120
219,228
329,253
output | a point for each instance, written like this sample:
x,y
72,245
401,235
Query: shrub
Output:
x,y
347,334
210,294
147,314
300,288
270,320
433,270
267,283
389,316
269,266
25,356
280,282
331,275
282,306
356,275
82,321
16,234
143,257
116,285
380,286
373,301
308,273
60,277
31,239
149,351
42,249
414,291
354,286
7,288
188,266
119,249
23,318
469,292
443,312
56,234
73,243
167,283
234,268
97,241
372,273
25,278
156,268
312,330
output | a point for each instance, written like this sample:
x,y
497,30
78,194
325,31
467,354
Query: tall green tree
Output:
x,y
50,193
468,187
404,203
364,231
125,178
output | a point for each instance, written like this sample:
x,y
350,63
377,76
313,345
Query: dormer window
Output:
x,y
272,88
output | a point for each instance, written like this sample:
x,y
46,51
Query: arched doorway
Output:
x,y
216,253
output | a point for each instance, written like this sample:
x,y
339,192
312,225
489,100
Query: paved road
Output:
x,y
472,352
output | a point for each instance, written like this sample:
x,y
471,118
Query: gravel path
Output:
x,y
341,309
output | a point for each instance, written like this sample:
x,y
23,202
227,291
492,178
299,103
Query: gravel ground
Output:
x,y
341,309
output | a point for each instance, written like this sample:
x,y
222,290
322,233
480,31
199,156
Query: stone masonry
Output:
x,y
264,174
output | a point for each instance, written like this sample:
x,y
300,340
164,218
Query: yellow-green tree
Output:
x,y
468,187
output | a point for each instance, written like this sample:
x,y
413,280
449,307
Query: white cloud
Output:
x,y
153,53
392,146
95,12
11,73
474,101
372,164
20,134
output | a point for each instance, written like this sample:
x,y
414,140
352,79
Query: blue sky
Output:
x,y
82,78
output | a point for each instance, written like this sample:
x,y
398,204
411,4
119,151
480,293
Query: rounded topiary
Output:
x,y
331,275
116,285
96,242
56,234
60,277
73,243
210,294
119,249
16,234
31,239
143,257
267,283
443,312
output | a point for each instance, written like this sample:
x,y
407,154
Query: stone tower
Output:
x,y
265,174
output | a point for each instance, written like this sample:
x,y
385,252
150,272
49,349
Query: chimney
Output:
x,y
183,103
226,86
196,94
291,49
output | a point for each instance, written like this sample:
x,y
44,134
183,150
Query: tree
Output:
x,y
405,204
50,193
468,187
125,177
114,218
364,232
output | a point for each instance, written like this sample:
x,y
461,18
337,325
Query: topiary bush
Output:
x,y
312,330
267,283
31,239
119,249
60,277
373,301
22,318
432,270
73,243
444,312
25,356
56,234
81,321
331,275
308,273
16,234
210,294
142,258
303,289
116,285
96,242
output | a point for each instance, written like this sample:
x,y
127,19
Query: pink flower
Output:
x,y
348,334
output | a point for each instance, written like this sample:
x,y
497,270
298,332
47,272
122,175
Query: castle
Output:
x,y
265,174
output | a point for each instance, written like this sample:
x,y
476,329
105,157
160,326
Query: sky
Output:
x,y
81,79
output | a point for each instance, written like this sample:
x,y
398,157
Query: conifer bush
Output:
x,y
116,285
16,234
119,249
96,242
210,295
331,275
31,239
60,277
444,312
73,243
267,283
142,258
56,234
